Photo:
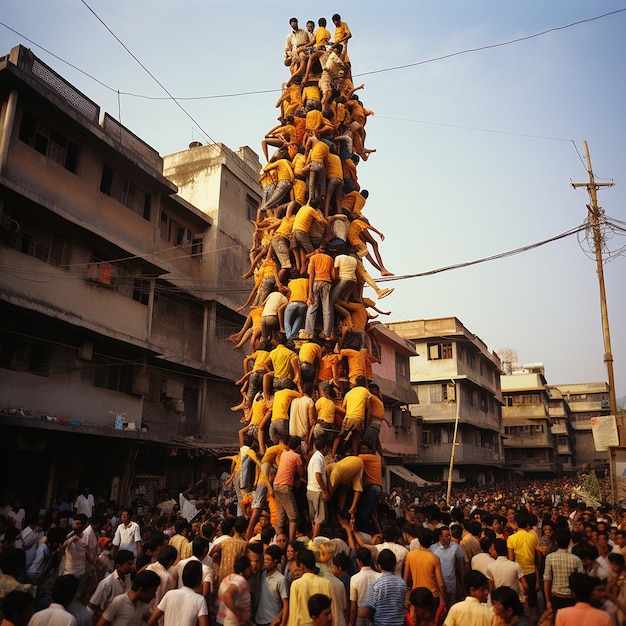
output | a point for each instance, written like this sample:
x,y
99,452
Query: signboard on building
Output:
x,y
617,462
604,430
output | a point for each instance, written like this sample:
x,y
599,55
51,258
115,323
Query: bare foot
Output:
x,y
386,273
384,293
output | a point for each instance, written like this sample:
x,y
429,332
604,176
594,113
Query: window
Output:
x,y
141,290
113,375
445,392
426,437
125,192
441,350
484,402
522,399
178,235
48,142
252,205
402,366
24,356
42,244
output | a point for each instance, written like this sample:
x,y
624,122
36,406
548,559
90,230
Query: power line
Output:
x,y
154,78
266,91
501,255
490,46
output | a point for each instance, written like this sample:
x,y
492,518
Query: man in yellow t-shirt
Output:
x,y
358,406
521,548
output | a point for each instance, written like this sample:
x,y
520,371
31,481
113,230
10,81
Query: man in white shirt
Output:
x,y
199,551
131,608
360,584
84,503
63,592
317,493
114,584
183,607
128,534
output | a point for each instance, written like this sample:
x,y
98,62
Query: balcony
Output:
x,y
465,454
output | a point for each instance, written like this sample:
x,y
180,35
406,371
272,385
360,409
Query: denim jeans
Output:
x,y
295,313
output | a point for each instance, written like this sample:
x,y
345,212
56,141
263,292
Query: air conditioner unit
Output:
x,y
100,273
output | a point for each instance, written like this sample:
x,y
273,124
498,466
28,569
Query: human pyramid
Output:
x,y
307,382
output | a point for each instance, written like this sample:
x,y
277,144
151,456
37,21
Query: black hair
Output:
x,y
192,574
64,589
317,603
123,556
365,556
242,563
387,560
151,580
509,599
474,579
16,602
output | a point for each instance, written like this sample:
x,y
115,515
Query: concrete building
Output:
x,y
116,293
529,444
585,401
399,435
457,380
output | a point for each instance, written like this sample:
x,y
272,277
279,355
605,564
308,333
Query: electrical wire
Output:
x,y
490,46
368,73
154,78
501,255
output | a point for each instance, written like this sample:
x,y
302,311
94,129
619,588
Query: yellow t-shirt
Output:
x,y
319,152
311,92
325,409
281,360
305,216
309,352
284,230
299,288
258,410
322,37
354,402
334,169
356,363
283,169
282,400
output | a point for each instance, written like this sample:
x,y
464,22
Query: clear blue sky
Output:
x,y
475,152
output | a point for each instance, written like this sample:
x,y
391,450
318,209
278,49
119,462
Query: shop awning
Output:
x,y
409,476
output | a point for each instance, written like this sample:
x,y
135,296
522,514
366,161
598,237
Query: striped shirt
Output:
x,y
385,599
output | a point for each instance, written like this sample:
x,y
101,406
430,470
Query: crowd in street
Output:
x,y
515,553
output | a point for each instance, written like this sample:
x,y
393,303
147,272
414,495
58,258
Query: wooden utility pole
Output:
x,y
595,213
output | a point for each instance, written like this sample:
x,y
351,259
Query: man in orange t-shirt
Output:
x,y
320,283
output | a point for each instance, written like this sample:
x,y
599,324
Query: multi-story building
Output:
x,y
457,380
529,444
585,401
400,433
116,293
562,430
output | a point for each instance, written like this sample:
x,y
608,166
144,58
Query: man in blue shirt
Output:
x,y
452,560
384,603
